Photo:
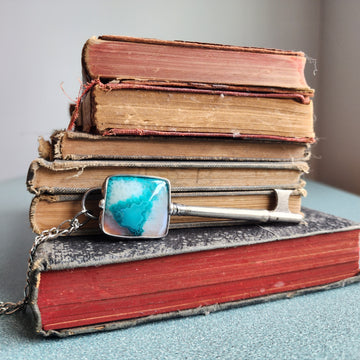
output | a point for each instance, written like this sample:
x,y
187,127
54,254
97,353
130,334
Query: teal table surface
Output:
x,y
323,325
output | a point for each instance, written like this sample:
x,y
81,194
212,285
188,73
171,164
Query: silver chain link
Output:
x,y
8,308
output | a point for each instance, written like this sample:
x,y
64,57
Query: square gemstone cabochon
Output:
x,y
136,206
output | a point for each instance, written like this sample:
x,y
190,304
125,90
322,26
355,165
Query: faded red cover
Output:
x,y
231,67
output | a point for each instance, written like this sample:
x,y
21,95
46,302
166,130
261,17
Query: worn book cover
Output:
x,y
96,283
62,176
75,145
121,108
191,64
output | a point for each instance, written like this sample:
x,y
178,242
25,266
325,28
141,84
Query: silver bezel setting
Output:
x,y
103,206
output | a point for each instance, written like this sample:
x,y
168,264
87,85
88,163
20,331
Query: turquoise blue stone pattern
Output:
x,y
136,206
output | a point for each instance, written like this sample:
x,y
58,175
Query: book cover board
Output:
x,y
87,284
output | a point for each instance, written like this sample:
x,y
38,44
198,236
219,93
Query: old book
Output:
x,y
96,283
73,145
117,108
47,211
62,176
181,63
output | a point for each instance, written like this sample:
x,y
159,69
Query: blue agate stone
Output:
x,y
136,206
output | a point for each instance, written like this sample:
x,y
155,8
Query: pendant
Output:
x,y
139,206
135,206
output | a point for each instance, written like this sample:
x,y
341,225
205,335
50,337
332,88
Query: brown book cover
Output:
x,y
62,176
193,64
119,108
74,145
47,211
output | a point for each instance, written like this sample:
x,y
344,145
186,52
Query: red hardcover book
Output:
x,y
193,64
98,283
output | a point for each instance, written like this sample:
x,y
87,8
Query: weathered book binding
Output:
x,y
62,176
74,145
284,261
194,65
120,109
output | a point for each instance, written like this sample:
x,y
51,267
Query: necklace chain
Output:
x,y
8,308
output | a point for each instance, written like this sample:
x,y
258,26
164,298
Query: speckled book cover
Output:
x,y
87,284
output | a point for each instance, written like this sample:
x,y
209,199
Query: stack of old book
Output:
x,y
226,125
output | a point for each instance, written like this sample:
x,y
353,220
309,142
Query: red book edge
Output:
x,y
142,132
185,43
254,286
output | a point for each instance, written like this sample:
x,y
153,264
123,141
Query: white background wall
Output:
x,y
339,95
42,40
